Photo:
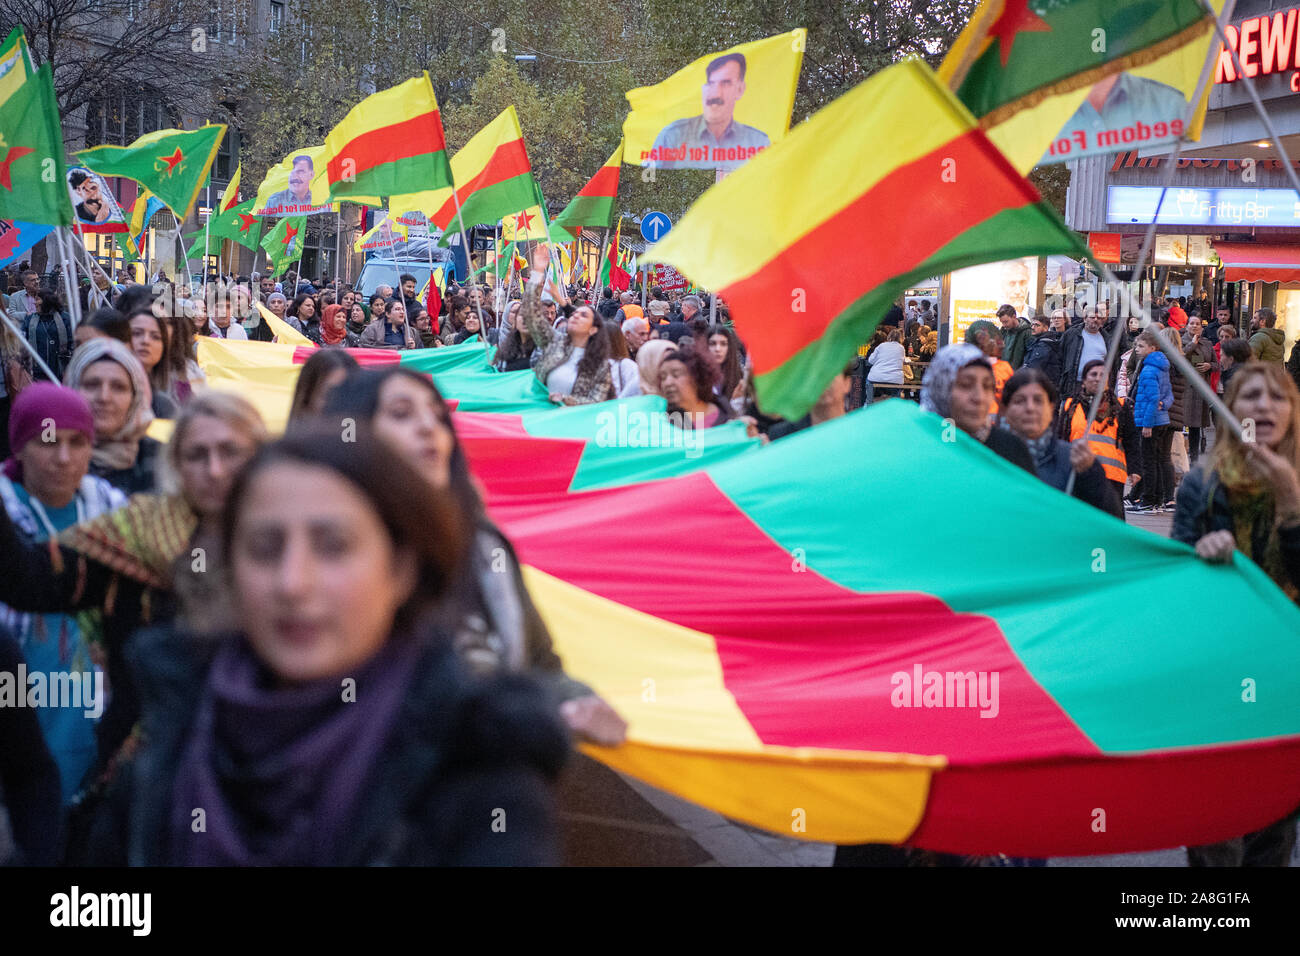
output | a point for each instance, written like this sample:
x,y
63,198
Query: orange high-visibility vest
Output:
x,y
1104,442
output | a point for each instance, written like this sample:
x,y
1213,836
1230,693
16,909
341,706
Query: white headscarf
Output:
x,y
119,450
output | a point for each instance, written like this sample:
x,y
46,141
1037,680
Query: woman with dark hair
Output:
x,y
337,555
453,323
574,365
183,367
726,351
1113,437
1245,496
492,618
357,319
1028,406
305,317
375,308
321,372
470,327
49,330
515,349
151,342
103,323
686,381
332,332
623,371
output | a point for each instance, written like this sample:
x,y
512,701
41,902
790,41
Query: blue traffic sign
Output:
x,y
655,226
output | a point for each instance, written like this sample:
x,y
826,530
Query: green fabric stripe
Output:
x,y
410,174
486,206
508,392
468,356
631,440
1039,59
1097,610
793,387
587,211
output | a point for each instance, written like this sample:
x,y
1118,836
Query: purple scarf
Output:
x,y
278,771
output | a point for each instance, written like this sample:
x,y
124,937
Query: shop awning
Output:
x,y
1260,261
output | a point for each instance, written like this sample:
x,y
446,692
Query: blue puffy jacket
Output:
x,y
1155,394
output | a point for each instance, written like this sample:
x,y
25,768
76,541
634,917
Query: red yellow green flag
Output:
x,y
810,242
594,204
230,198
391,143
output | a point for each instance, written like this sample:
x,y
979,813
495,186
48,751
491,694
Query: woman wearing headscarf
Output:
x,y
495,625
338,557
648,359
959,386
1245,496
332,332
112,380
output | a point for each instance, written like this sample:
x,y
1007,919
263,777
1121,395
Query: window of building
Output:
x,y
214,19
277,16
116,119
223,167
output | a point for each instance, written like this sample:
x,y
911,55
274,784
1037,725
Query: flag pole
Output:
x,y
338,233
1181,363
600,261
69,288
206,221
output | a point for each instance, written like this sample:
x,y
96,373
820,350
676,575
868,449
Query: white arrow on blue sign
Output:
x,y
655,226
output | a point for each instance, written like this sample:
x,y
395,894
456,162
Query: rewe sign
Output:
x,y
1266,45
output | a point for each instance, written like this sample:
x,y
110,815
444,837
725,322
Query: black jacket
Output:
x,y
1072,349
1091,486
1044,354
1202,506
460,751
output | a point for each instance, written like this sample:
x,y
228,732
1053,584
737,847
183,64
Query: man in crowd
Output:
x,y
1044,351
220,325
1267,341
829,406
1080,345
408,293
636,331
24,301
1015,336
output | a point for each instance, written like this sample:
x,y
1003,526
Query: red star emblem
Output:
x,y
523,220
246,221
1016,18
15,152
290,233
173,160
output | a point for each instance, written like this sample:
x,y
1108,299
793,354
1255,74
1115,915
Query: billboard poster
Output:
x,y
976,292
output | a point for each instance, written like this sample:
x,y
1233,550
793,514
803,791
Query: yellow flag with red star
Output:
x,y
527,225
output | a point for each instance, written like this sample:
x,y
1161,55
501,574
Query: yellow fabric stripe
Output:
x,y
465,165
261,372
794,795
823,165
402,102
285,334
687,735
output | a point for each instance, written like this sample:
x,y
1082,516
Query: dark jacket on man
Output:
x,y
1015,344
1044,354
1072,349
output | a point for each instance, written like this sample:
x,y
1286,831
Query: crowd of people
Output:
x,y
225,585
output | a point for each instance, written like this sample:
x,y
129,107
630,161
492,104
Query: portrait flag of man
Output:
x,y
786,230
173,164
295,186
382,236
719,111
1055,82
32,175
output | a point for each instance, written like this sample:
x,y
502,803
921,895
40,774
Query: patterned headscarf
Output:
x,y
119,450
936,387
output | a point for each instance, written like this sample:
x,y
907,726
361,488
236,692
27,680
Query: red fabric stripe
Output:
x,y
1151,802
835,264
506,162
413,137
832,690
604,184
508,461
